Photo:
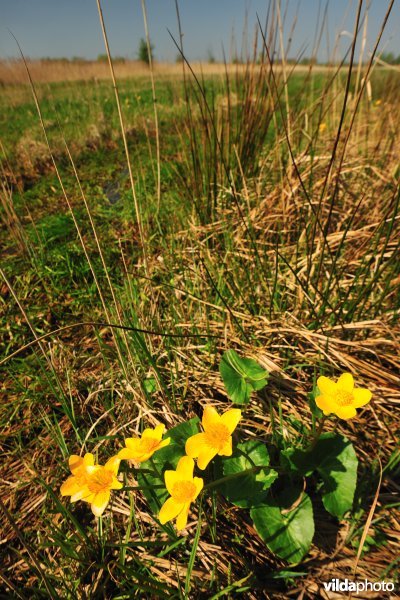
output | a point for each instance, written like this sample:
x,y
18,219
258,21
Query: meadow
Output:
x,y
251,208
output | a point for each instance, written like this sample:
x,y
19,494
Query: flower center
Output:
x,y
344,398
217,435
183,491
100,481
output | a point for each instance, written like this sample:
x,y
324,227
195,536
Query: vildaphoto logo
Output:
x,y
347,585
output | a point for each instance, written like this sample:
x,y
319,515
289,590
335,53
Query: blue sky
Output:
x,y
67,28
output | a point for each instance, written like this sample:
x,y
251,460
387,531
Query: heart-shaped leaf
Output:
x,y
287,533
250,474
337,466
335,460
241,376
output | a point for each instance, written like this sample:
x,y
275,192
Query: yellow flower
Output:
x,y
216,438
184,489
322,127
378,102
77,480
92,483
341,398
141,449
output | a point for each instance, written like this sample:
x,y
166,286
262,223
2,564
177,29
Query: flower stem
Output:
x,y
229,477
317,434
100,528
156,470
100,535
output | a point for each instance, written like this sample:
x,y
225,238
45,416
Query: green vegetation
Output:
x,y
266,237
145,52
390,58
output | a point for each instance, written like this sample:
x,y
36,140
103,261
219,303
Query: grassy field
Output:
x,y
262,216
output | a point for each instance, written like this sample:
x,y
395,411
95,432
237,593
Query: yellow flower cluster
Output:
x,y
181,485
93,483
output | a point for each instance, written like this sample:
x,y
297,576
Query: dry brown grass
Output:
x,y
42,71
45,71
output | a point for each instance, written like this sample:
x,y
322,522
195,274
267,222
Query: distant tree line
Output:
x,y
144,56
115,59
390,58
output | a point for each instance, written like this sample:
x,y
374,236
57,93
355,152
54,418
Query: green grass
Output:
x,y
303,276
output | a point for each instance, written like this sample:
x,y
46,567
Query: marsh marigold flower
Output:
x,y
183,489
76,482
92,483
216,438
341,398
141,449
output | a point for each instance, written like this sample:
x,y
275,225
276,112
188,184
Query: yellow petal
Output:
x,y
134,450
199,483
75,463
88,496
155,433
159,431
326,386
361,396
146,456
116,485
181,521
346,382
325,403
210,417
171,477
195,444
345,412
231,418
113,464
169,510
88,459
126,454
92,469
78,463
142,454
205,456
70,486
100,502
81,494
227,448
185,467
133,444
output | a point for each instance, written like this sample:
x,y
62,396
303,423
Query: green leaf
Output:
x,y
150,385
241,376
337,466
334,458
247,489
152,475
295,460
180,433
287,534
150,484
317,412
